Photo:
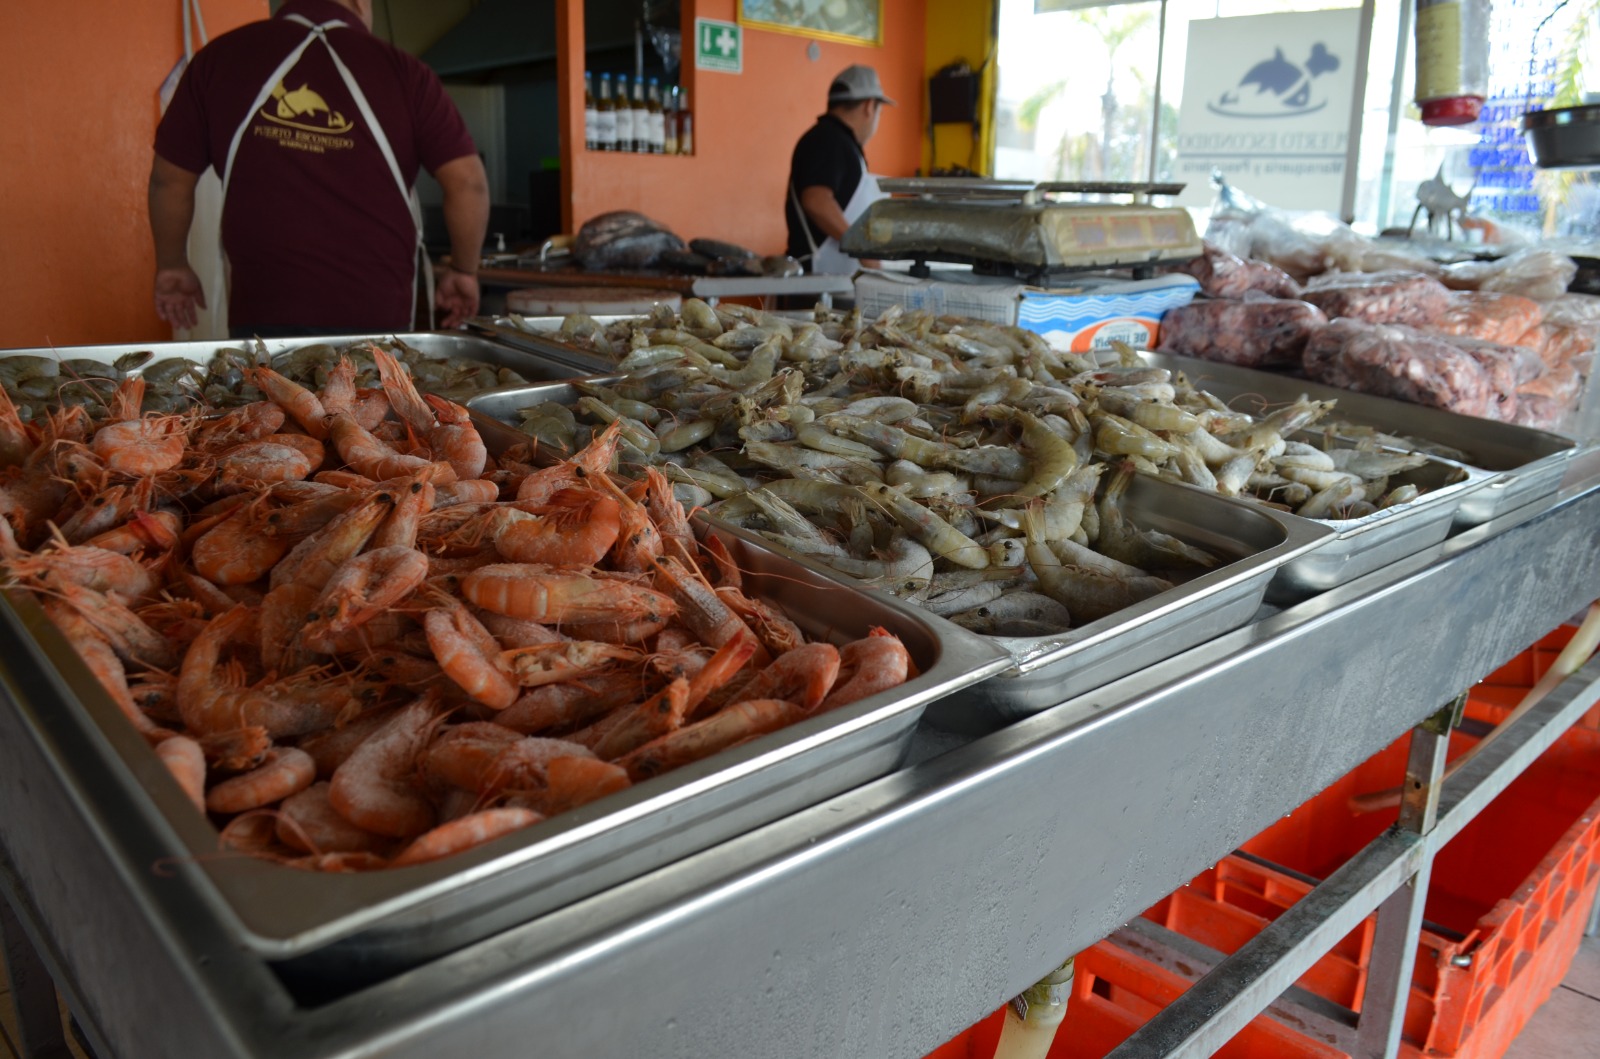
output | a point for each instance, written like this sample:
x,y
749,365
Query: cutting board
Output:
x,y
595,301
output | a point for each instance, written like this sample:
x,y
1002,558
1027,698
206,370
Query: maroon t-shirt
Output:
x,y
316,230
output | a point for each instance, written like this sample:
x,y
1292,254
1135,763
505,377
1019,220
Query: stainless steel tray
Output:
x,y
329,931
527,335
1361,545
1046,670
525,362
1526,464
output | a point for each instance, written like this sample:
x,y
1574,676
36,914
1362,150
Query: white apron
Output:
x,y
826,258
318,32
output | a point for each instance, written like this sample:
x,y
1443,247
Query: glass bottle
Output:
x,y
669,122
641,118
624,116
605,117
685,125
591,120
658,123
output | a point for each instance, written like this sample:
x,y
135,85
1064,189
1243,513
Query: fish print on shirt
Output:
x,y
301,120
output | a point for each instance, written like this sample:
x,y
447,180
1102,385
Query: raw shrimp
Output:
x,y
375,787
187,763
468,654
285,771
1087,594
464,833
874,663
940,537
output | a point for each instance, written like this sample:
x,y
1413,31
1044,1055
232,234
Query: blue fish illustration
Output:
x,y
1288,85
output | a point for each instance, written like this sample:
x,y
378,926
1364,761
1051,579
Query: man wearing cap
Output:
x,y
829,186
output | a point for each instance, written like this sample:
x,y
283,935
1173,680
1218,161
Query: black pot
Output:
x,y
1563,137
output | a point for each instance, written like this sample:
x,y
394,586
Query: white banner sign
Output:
x,y
1266,99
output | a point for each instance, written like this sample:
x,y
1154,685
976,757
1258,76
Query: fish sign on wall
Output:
x,y
1273,114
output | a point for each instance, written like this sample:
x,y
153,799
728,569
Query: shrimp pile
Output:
x,y
358,641
964,465
39,385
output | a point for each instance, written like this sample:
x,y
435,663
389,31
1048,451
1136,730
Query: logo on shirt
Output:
x,y
301,120
304,109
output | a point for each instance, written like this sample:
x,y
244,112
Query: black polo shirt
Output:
x,y
826,156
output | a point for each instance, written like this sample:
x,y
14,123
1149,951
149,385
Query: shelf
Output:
x,y
877,924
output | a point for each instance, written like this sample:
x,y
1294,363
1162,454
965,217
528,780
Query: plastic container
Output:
x,y
1508,903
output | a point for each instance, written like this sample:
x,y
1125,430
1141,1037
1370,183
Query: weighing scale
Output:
x,y
1022,229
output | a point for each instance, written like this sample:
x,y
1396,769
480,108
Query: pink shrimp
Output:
x,y
568,660
360,589
803,676
285,771
345,862
626,729
874,663
577,528
139,446
515,632
774,628
251,422
473,491
307,822
127,634
702,610
96,568
558,706
313,561
284,613
574,781
597,456
155,531
402,393
464,833
104,665
363,450
331,746
455,439
17,439
541,593
187,763
375,788
235,551
257,463
468,655
414,498
206,699
620,632
300,403
737,723
338,392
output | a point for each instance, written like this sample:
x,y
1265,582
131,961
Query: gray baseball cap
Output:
x,y
855,83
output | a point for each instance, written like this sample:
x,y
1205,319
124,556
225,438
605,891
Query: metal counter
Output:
x,y
878,923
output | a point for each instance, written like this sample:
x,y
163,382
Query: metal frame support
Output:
x,y
40,1032
1394,942
1390,875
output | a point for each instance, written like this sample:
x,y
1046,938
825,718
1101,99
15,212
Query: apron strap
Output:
x,y
805,222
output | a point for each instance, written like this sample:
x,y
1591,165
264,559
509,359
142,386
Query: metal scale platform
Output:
x,y
1022,229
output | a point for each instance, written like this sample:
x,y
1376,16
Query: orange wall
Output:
x,y
745,127
79,80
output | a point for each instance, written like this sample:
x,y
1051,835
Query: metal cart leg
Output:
x,y
33,994
1394,942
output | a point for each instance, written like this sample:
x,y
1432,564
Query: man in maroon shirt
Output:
x,y
317,132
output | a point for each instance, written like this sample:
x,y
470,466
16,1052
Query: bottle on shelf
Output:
x,y
685,125
658,123
624,111
591,118
605,117
669,122
641,118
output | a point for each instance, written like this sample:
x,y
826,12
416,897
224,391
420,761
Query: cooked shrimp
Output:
x,y
313,561
187,763
625,730
874,663
702,610
803,676
468,654
735,724
155,531
251,422
455,439
568,660
414,498
576,528
96,568
360,589
300,403
257,463
559,706
464,833
235,551
545,594
374,788
306,821
574,781
285,771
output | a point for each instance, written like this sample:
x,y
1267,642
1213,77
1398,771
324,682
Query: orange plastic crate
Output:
x,y
1518,883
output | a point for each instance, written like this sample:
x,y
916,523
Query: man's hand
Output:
x,y
457,297
178,295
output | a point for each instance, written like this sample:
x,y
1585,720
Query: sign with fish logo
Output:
x,y
1269,107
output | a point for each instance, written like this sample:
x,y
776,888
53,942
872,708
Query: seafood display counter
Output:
x,y
874,913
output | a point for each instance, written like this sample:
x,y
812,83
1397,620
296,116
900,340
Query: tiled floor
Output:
x,y
1566,1027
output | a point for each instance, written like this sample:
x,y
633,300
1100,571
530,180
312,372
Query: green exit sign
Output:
x,y
718,46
